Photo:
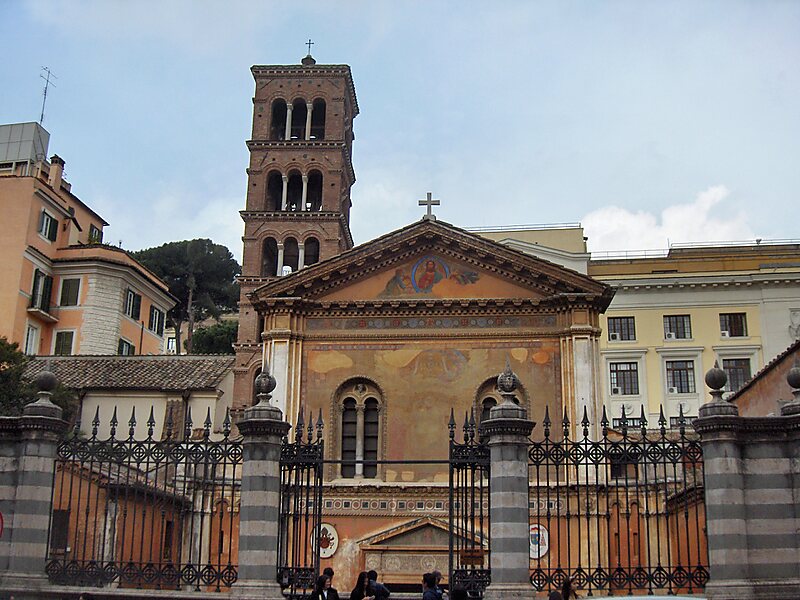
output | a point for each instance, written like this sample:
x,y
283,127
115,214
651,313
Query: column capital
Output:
x,y
309,105
305,178
285,177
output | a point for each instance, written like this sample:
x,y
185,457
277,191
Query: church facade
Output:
x,y
384,339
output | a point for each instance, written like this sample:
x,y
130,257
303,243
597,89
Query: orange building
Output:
x,y
62,291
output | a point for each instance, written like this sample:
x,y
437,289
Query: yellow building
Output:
x,y
61,290
677,311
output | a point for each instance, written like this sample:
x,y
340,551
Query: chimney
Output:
x,y
56,171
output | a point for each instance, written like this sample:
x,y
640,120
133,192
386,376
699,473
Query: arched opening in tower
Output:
x,y
311,251
291,254
299,112
269,258
318,120
314,196
294,196
274,191
277,127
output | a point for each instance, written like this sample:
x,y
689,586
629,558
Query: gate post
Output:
x,y
28,446
752,477
507,430
262,428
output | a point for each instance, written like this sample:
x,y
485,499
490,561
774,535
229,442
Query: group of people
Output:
x,y
369,588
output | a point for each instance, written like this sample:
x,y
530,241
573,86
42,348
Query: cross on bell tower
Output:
x,y
429,202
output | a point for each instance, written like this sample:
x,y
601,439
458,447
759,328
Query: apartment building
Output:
x,y
62,291
675,312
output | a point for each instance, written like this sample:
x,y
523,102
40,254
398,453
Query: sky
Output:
x,y
648,122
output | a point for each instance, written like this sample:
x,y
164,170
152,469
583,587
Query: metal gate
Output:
x,y
469,550
621,513
301,465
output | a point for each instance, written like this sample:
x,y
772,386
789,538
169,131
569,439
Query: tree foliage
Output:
x,y
201,274
216,339
15,392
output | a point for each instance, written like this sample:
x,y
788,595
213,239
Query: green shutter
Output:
x,y
47,290
137,306
151,322
37,276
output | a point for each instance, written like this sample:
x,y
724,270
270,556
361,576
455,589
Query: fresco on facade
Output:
x,y
425,274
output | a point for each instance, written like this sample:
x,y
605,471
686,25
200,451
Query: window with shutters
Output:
x,y
156,321
42,290
70,290
733,324
63,343
621,329
133,304
360,429
48,226
95,235
125,348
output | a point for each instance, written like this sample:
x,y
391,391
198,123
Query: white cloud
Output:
x,y
705,219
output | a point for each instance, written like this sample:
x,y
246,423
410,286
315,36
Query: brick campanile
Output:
x,y
298,188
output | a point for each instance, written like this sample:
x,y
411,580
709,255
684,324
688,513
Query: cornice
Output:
x,y
750,429
307,145
381,254
751,281
307,71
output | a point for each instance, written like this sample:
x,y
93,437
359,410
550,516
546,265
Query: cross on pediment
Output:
x,y
429,202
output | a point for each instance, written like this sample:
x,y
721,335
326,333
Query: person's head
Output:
x,y
458,593
568,588
323,582
328,572
372,575
428,581
362,582
437,575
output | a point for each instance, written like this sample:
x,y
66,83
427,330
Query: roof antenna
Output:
x,y
47,83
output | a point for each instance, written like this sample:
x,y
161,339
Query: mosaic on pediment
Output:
x,y
432,275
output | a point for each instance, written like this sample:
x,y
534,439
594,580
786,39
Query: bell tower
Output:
x,y
298,187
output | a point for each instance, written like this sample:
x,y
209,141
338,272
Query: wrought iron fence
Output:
x,y
621,513
469,550
147,513
301,466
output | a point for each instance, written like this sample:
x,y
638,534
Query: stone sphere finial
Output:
x,y
507,381
265,383
46,381
793,379
716,378
793,376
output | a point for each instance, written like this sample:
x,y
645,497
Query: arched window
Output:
x,y
274,190
291,254
294,196
277,127
314,195
486,405
269,258
360,405
299,112
311,251
318,120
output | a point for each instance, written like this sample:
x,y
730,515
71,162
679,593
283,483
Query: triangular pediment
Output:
x,y
423,532
432,260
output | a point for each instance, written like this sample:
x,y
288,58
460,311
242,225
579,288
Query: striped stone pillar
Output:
x,y
507,430
27,460
752,471
262,428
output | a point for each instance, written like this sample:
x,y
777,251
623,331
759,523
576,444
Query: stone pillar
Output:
x,y
507,430
284,192
262,429
301,258
752,474
309,109
305,193
288,131
280,259
27,462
